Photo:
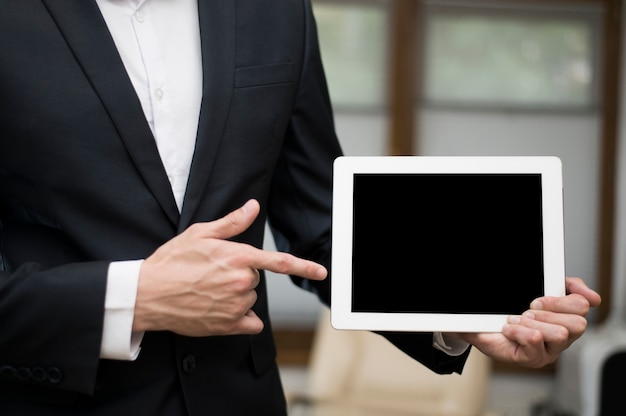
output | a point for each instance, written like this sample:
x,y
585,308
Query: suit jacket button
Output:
x,y
23,373
7,371
189,364
55,375
39,374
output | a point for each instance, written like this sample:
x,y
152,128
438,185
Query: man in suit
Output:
x,y
143,145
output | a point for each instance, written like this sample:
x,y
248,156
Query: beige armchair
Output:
x,y
360,373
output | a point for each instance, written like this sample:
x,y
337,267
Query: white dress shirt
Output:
x,y
159,43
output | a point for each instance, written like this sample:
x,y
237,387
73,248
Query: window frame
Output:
x,y
589,12
382,105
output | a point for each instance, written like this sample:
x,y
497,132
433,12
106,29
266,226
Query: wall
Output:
x,y
618,299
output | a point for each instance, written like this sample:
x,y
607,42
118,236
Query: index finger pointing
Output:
x,y
285,263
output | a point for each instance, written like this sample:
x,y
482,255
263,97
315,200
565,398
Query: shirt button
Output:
x,y
189,364
139,16
158,94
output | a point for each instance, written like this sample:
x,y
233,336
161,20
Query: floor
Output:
x,y
509,395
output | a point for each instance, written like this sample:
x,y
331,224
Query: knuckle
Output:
x,y
580,325
244,282
230,324
282,264
562,335
233,218
194,229
228,327
240,308
580,303
583,305
550,359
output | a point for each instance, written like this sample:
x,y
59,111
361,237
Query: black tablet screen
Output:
x,y
447,243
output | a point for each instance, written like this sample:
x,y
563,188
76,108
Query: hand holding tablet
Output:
x,y
450,244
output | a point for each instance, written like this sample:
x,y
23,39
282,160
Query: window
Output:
x,y
354,42
494,54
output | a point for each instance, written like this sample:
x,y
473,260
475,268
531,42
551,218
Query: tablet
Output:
x,y
451,244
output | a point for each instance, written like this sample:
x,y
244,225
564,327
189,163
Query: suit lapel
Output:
x,y
217,32
87,35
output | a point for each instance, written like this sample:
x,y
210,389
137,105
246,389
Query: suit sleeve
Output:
x,y
51,325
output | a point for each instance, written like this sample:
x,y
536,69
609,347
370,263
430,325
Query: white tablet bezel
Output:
x,y
345,167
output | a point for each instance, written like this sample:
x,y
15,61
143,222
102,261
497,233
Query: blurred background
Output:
x,y
491,77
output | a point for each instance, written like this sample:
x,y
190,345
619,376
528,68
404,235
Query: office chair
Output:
x,y
360,373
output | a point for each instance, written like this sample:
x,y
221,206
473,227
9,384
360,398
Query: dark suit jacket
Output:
x,y
82,184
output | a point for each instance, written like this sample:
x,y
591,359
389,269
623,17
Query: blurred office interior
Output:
x,y
490,77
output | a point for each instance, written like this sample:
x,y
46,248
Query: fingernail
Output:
x,y
514,319
321,272
529,315
246,206
536,304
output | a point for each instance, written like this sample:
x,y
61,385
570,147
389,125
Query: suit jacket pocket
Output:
x,y
259,75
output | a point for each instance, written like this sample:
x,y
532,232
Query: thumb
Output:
x,y
233,223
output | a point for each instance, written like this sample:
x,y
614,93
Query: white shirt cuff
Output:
x,y
118,340
451,346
